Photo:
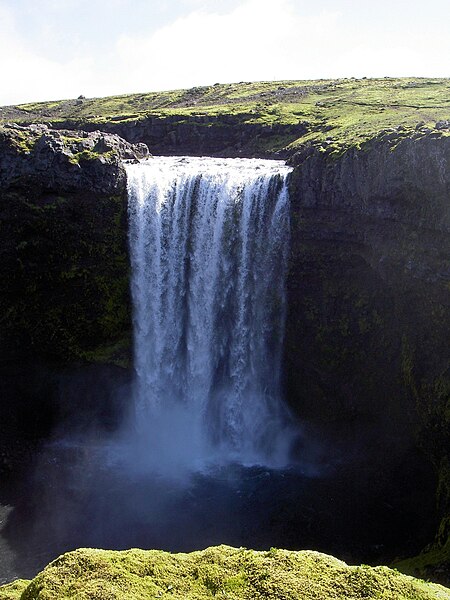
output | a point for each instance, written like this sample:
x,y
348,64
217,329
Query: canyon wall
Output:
x,y
64,300
366,361
368,328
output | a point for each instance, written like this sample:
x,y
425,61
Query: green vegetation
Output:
x,y
87,155
221,572
68,277
13,591
340,113
24,142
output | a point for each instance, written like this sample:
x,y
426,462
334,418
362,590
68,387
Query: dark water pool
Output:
x,y
83,495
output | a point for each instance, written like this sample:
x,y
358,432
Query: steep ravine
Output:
x,y
366,365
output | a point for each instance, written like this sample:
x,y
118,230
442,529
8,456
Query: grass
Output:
x,y
344,112
220,572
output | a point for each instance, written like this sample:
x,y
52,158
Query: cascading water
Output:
x,y
209,241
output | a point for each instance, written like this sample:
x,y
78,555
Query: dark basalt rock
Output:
x,y
64,160
223,135
367,359
370,265
64,298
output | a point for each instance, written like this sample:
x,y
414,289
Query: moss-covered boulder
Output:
x,y
64,160
13,590
221,572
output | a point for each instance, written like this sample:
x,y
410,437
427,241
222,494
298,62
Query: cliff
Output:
x,y
64,249
64,300
367,357
366,365
369,271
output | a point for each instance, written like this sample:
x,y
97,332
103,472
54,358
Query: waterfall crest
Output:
x,y
209,240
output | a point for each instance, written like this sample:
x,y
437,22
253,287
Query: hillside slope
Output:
x,y
255,118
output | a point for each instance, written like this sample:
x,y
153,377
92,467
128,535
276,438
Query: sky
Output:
x,y
55,49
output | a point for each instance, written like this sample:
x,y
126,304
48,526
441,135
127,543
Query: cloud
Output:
x,y
260,39
204,42
26,76
276,39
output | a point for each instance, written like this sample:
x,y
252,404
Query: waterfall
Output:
x,y
209,243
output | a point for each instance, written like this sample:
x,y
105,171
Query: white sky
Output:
x,y
53,49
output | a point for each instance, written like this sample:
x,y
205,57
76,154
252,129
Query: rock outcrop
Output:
x,y
64,251
64,267
222,135
62,160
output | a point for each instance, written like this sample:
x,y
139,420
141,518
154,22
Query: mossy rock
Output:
x,y
13,590
66,272
219,571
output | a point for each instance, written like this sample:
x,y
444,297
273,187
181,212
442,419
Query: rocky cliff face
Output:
x,y
367,355
223,135
64,269
371,245
64,160
64,251
369,272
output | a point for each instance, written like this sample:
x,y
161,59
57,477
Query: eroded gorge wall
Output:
x,y
366,366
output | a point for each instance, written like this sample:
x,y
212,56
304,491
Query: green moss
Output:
x,y
340,113
24,142
89,155
13,591
221,572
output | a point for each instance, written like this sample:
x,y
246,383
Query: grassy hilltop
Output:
x,y
340,113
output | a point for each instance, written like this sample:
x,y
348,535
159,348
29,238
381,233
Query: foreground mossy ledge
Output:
x,y
221,571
